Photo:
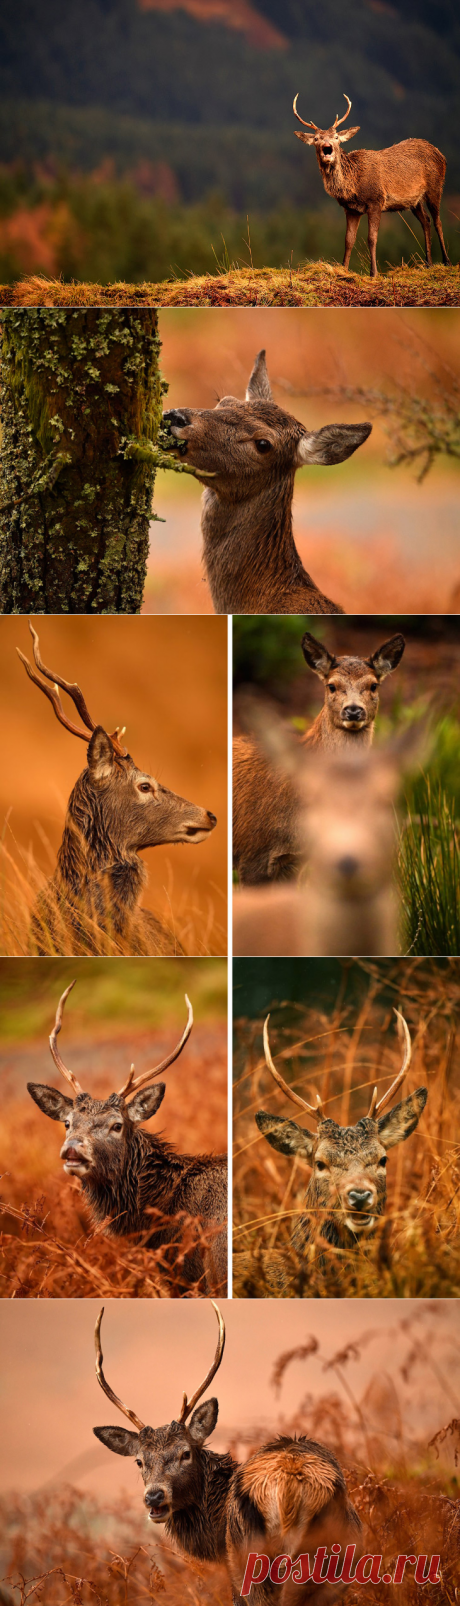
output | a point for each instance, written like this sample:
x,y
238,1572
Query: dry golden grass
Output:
x,y
317,285
415,1251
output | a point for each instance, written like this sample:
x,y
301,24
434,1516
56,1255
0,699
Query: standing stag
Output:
x,y
250,452
408,176
114,811
126,1173
266,843
346,1193
289,1497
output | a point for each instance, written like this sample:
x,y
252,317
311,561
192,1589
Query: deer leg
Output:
x,y
374,225
434,209
350,237
421,214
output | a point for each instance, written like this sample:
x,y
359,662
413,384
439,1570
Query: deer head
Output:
x,y
118,808
243,447
352,684
327,141
170,1457
348,1163
99,1131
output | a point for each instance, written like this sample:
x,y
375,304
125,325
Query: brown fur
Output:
x,y
266,845
407,176
250,452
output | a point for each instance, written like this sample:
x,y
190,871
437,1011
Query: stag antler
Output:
x,y
312,1108
133,1083
73,692
374,1108
302,119
346,114
103,1381
69,1076
188,1405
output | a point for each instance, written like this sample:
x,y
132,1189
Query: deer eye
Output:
x,y
118,1127
186,1455
67,1124
263,446
321,1166
138,1462
374,686
144,786
383,1160
332,686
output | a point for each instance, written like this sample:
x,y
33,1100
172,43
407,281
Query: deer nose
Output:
x,y
71,1151
175,416
212,818
360,1198
353,711
155,1498
348,865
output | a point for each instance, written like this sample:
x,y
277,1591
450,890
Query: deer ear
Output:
x,y
120,1440
285,1136
203,1421
101,757
348,133
316,656
259,383
398,1124
333,444
308,139
50,1101
387,657
146,1102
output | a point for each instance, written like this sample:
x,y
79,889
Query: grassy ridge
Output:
x,y
316,285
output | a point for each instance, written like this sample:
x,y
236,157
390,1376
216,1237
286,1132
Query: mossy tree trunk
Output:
x,y
75,503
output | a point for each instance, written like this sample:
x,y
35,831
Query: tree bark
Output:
x,y
75,503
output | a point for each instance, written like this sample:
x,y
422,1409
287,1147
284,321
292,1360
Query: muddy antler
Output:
x,y
189,1405
374,1108
302,119
133,1084
73,692
69,1076
103,1381
346,114
312,1108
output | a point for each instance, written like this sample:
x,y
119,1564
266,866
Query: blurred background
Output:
x,y
150,675
137,136
374,1382
375,537
119,1012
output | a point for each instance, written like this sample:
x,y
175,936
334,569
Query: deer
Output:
x,y
266,843
347,1187
290,1496
114,811
127,1174
249,452
407,176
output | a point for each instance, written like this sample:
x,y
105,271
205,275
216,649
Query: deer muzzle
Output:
x,y
360,1205
75,1162
157,1503
353,715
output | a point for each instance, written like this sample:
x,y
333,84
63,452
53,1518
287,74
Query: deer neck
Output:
x,y
249,549
91,867
200,1529
340,181
147,1176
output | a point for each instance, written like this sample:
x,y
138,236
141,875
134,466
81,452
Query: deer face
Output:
x,y
348,1163
98,1132
327,141
352,684
169,1458
248,446
134,810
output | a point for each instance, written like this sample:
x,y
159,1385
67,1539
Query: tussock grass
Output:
x,y
318,284
429,873
415,1252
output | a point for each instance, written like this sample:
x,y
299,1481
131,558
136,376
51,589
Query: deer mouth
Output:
x,y
75,1163
357,1222
159,1513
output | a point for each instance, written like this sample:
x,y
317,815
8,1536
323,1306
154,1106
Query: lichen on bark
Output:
x,y
75,507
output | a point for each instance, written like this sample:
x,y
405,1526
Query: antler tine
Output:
x,y
71,688
133,1084
69,1076
302,119
189,1405
53,698
404,1031
103,1381
312,1109
346,114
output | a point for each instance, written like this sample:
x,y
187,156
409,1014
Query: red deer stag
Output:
x,y
408,176
289,1497
346,1194
266,843
126,1173
91,904
250,452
